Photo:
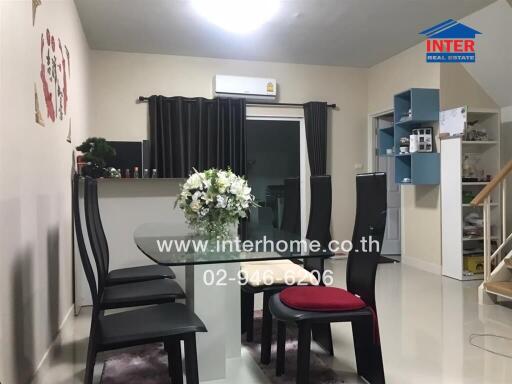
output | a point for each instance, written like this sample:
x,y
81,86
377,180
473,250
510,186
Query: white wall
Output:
x,y
493,66
35,164
119,78
406,70
459,88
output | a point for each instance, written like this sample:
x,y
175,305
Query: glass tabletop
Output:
x,y
175,244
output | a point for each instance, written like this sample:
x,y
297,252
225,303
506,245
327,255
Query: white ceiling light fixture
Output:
x,y
238,16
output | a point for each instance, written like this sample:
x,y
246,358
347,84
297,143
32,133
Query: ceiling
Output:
x,y
357,33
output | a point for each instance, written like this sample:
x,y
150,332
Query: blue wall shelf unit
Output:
x,y
414,108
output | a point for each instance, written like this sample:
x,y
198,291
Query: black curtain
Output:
x,y
315,116
198,133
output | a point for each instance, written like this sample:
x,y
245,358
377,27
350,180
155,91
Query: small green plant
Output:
x,y
96,152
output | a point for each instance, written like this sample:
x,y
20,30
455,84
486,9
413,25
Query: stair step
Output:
x,y
508,263
501,288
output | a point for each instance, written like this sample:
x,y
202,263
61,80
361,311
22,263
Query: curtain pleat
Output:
x,y
198,133
315,116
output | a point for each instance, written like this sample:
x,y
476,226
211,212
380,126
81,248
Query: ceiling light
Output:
x,y
239,16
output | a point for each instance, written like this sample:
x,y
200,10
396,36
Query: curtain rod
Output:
x,y
143,99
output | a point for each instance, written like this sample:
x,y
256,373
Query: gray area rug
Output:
x,y
320,372
148,364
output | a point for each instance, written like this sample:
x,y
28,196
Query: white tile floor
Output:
x,y
425,322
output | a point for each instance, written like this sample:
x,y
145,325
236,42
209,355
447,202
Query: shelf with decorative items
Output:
x,y
471,158
411,139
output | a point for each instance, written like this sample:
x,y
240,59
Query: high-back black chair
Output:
x,y
291,210
82,250
370,224
122,275
319,226
310,306
128,294
166,323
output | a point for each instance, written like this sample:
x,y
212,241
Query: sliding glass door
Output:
x,y
273,171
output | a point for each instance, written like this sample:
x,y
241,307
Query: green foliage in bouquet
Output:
x,y
214,200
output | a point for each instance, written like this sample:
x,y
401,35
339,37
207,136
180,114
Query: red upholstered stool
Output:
x,y
320,299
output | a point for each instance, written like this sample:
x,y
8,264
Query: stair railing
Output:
x,y
484,197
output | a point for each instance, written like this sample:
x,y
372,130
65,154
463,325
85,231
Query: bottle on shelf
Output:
x,y
146,173
127,173
136,172
154,174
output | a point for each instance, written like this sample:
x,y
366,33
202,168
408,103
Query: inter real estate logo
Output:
x,y
450,42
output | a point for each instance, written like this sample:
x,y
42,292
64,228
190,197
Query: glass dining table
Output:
x,y
175,245
212,278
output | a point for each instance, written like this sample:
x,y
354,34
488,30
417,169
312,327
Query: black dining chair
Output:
x,y
319,229
319,226
291,209
169,323
121,295
310,274
308,306
290,223
122,275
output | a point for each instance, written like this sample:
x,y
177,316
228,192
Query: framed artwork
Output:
x,y
54,75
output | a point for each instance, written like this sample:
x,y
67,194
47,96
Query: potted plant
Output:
x,y
213,201
96,152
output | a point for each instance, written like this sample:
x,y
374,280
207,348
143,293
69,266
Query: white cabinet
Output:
x,y
462,240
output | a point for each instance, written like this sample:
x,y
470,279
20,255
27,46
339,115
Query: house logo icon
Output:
x,y
450,42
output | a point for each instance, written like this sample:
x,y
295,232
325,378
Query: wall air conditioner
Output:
x,y
250,88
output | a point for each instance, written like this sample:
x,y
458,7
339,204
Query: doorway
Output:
x,y
273,159
391,245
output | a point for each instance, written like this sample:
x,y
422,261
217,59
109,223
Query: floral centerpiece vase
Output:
x,y
214,201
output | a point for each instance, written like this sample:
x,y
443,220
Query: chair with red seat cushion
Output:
x,y
321,299
311,306
319,230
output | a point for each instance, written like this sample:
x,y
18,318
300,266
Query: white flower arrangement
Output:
x,y
213,200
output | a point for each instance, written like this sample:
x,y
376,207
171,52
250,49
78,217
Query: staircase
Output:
x,y
497,266
501,288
